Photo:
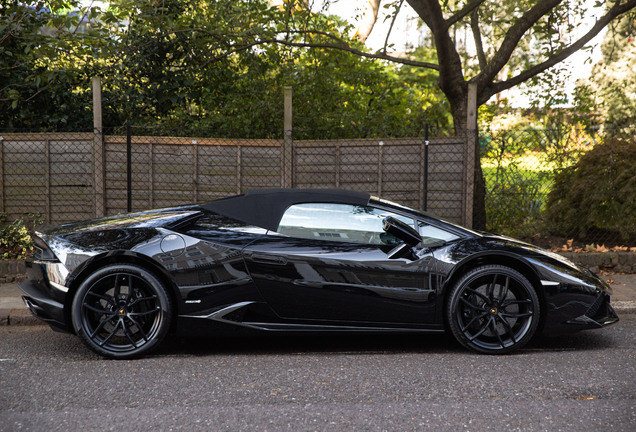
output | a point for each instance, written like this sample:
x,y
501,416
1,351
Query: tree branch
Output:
x,y
377,56
474,25
368,20
615,11
342,46
451,77
510,42
386,41
458,16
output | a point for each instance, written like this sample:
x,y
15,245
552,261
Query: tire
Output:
x,y
493,310
122,311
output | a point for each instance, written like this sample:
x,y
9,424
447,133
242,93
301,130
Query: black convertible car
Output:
x,y
301,261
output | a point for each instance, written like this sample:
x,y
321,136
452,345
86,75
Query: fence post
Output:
x,y
238,169
129,166
151,175
380,163
1,174
47,179
425,179
98,150
469,153
287,142
195,169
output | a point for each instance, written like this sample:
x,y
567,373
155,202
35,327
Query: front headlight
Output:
x,y
42,251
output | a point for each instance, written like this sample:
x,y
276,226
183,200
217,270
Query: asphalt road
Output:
x,y
585,382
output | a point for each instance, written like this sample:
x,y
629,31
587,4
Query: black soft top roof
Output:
x,y
265,207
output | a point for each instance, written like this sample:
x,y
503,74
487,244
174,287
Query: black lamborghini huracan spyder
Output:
x,y
302,261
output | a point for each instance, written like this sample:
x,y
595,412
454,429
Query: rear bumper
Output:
x,y
42,306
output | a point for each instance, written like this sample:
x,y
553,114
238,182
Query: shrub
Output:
x,y
598,192
15,240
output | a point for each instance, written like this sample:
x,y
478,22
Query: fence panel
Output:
x,y
59,175
47,173
54,174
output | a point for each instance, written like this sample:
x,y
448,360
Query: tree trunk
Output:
x,y
459,108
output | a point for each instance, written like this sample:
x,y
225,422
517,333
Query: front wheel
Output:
x,y
122,311
493,309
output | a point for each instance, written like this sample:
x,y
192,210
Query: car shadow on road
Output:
x,y
52,344
583,341
363,344
312,344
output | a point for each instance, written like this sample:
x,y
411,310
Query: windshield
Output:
x,y
444,223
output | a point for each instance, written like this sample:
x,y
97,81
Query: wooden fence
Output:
x,y
60,176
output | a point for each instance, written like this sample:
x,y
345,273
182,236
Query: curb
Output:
x,y
18,317
624,307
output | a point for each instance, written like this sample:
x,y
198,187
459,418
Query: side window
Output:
x,y
431,235
339,222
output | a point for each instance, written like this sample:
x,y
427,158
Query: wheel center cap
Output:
x,y
121,312
493,311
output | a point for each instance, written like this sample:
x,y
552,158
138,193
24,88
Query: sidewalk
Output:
x,y
13,311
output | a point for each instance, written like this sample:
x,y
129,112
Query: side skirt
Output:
x,y
233,315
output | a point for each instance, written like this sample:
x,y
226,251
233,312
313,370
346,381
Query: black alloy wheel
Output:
x,y
122,311
493,309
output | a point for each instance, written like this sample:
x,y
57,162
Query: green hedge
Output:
x,y
596,193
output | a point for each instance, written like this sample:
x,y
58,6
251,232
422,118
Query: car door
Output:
x,y
330,262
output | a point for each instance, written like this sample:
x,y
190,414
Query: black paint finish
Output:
x,y
224,272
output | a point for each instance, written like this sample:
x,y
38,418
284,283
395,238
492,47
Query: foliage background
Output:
x,y
158,71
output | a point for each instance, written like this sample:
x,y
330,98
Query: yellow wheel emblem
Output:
x,y
121,312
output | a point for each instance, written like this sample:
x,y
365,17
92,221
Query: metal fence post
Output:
x,y
129,166
425,185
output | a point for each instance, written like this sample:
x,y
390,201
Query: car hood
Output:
x,y
547,265
531,250
162,218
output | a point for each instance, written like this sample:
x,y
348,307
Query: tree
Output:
x,y
532,36
515,41
36,69
171,64
547,27
609,95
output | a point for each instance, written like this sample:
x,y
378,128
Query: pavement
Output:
x,y
13,311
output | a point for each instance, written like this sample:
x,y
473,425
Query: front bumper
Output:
x,y
43,306
600,314
578,313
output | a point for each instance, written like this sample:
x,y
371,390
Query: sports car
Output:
x,y
298,260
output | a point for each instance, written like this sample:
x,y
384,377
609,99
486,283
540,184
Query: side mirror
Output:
x,y
401,230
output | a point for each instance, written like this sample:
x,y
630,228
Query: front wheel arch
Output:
x,y
122,311
119,257
512,261
493,309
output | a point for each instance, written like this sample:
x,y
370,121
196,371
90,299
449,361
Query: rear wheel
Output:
x,y
122,311
493,309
